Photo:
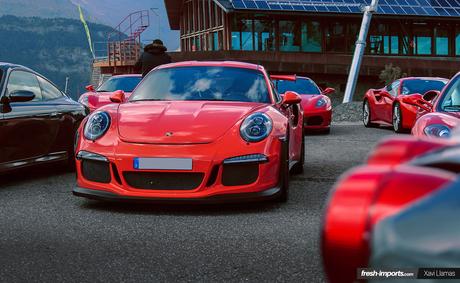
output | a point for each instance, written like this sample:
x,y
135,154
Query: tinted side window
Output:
x,y
395,88
21,80
49,91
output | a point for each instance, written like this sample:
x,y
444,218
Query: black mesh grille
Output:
x,y
240,174
314,121
96,171
163,180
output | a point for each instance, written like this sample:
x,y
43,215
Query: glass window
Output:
x,y
301,86
264,35
290,39
20,80
311,37
335,37
49,91
457,42
126,84
393,89
242,34
442,41
421,86
451,100
422,41
383,41
204,83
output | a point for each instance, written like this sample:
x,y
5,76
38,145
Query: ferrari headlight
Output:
x,y
83,100
437,130
97,125
256,127
320,103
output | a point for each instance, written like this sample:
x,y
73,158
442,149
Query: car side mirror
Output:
x,y
328,91
431,95
21,96
90,88
118,96
291,97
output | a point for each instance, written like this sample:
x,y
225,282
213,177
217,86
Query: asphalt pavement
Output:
x,y
48,235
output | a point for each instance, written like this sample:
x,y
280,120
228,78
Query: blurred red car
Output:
x,y
360,218
316,105
388,106
446,111
99,97
193,131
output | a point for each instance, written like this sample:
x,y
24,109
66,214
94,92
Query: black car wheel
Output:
x,y
397,119
284,173
367,115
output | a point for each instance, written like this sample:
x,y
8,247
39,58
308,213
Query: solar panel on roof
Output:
x,y
436,8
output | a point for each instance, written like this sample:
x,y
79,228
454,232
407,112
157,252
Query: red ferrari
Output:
x,y
316,105
388,106
99,97
373,216
445,110
193,131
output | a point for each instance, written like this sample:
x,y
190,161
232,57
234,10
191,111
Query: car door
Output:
x,y
29,128
68,114
387,101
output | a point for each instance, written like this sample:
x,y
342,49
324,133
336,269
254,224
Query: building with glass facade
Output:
x,y
317,37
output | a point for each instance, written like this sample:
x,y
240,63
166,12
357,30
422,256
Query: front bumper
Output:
x,y
317,119
218,181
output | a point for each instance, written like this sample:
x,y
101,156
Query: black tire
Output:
x,y
397,119
298,167
71,166
367,115
284,174
327,131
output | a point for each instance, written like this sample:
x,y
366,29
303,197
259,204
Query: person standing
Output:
x,y
154,55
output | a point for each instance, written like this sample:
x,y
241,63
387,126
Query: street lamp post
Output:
x,y
359,52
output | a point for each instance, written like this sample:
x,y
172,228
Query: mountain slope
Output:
x,y
56,48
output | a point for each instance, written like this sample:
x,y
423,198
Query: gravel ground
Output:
x,y
350,112
47,235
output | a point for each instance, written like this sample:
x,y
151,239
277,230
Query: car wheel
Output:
x,y
298,168
397,119
367,115
71,153
284,174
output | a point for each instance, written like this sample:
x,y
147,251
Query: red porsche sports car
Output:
x,y
316,105
388,106
193,131
445,110
99,97
374,216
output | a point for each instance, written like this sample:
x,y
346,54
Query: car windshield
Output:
x,y
301,86
126,84
450,101
421,86
204,83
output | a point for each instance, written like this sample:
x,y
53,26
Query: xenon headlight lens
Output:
x,y
321,103
438,130
256,127
97,125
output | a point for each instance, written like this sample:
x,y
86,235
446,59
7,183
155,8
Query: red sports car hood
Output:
x,y
179,122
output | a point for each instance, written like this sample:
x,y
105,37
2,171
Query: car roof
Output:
x,y
425,78
127,76
234,64
5,66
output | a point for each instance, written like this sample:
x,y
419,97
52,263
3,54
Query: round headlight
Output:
x,y
96,126
437,130
256,127
321,103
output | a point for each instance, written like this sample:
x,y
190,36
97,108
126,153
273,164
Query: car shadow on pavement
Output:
x,y
180,209
32,174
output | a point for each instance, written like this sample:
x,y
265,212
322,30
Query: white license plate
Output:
x,y
163,163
